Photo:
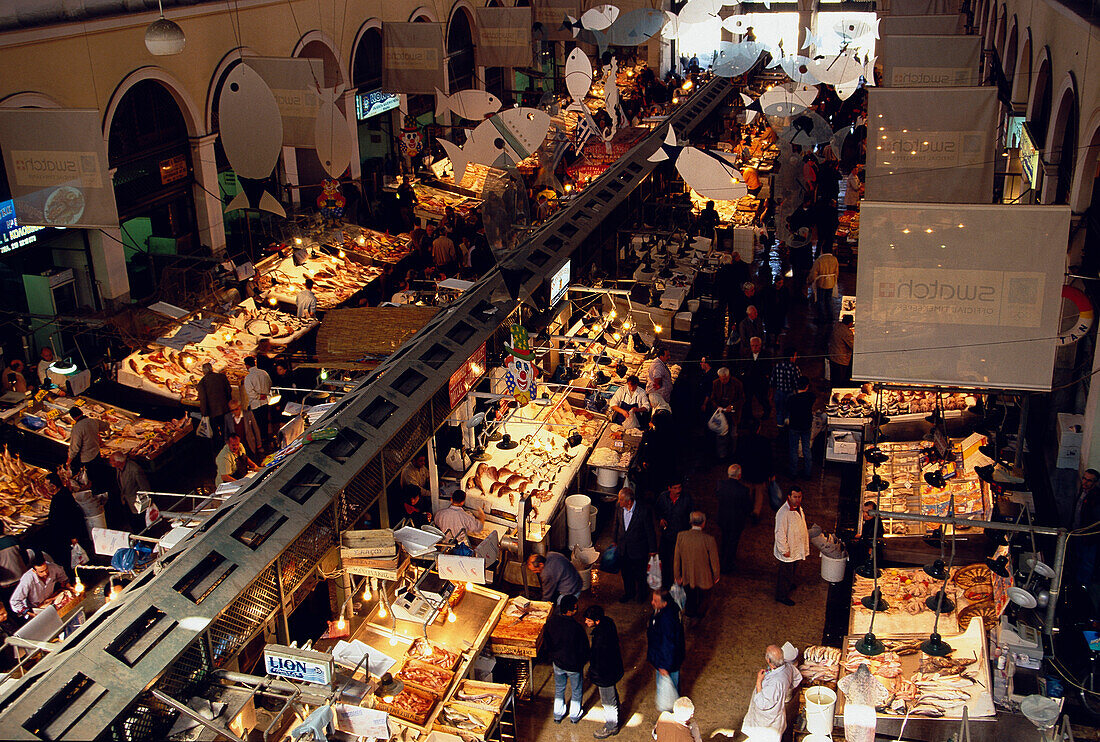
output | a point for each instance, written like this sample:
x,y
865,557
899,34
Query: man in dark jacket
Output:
x,y
734,505
757,470
566,645
666,648
214,396
634,543
605,667
673,510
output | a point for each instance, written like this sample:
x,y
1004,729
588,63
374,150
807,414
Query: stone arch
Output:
x,y
318,45
424,11
999,32
175,88
1021,83
29,99
1039,101
1080,197
1061,140
461,60
370,26
1008,62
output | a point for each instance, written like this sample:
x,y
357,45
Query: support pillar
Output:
x,y
109,266
290,168
208,202
355,163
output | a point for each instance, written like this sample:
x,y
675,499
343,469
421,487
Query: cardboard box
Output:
x,y
844,444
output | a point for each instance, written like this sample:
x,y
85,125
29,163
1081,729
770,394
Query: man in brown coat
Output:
x,y
695,564
841,344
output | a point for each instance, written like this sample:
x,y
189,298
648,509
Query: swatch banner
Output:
x,y
294,83
413,58
551,13
503,37
949,23
959,295
931,144
946,61
57,168
920,7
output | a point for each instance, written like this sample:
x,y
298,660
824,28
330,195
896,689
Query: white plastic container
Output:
x,y
820,705
832,568
576,511
607,478
580,538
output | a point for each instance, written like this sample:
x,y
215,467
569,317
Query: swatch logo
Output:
x,y
958,297
932,77
912,150
37,169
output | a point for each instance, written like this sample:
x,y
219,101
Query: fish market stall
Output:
x,y
432,202
24,497
335,279
911,596
919,685
367,244
122,431
170,365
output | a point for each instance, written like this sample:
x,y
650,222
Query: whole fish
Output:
x,y
472,104
331,135
503,140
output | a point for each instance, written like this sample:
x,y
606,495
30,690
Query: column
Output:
x,y
290,168
355,162
1049,189
208,203
109,266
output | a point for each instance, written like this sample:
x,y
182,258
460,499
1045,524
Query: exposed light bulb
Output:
x,y
297,240
341,624
393,641
78,588
272,301
657,329
451,617
381,611
366,592
342,254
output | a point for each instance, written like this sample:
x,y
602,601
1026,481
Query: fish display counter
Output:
x,y
169,366
366,244
24,494
972,591
596,158
431,661
432,202
904,681
335,279
121,431
731,214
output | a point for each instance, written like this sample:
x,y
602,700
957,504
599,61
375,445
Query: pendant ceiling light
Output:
x,y
163,37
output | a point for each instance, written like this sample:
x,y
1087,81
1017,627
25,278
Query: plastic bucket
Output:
x,y
817,738
576,511
832,568
820,704
580,537
607,478
592,518
586,578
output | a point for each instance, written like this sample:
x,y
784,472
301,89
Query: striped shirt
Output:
x,y
785,377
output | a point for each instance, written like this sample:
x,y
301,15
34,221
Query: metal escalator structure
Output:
x,y
248,563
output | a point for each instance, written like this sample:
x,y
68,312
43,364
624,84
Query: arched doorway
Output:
x,y
1062,147
460,52
374,111
308,166
496,78
149,150
1087,197
1041,102
1009,60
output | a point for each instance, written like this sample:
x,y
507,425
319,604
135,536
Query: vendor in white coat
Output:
x,y
766,718
629,397
792,544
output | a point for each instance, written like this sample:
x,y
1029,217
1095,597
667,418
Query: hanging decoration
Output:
x,y
251,130
331,202
501,141
1079,300
472,104
331,133
411,141
519,373
712,175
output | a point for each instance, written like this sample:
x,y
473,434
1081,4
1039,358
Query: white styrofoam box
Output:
x,y
1069,457
844,444
1070,429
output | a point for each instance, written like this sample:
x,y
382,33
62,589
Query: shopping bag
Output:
x,y
609,561
205,429
718,423
78,556
679,595
457,459
775,495
653,573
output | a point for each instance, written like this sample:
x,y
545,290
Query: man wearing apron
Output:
x,y
629,397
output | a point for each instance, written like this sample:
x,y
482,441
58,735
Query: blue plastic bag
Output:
x,y
609,560
775,495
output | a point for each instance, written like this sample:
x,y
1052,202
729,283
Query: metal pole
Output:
x,y
996,526
1056,583
189,713
1025,403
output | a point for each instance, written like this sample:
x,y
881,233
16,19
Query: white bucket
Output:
x,y
820,704
607,478
832,568
817,738
580,537
576,511
693,305
592,518
586,578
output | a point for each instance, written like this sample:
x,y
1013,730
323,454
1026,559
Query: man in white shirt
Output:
x,y
306,301
767,714
792,544
45,360
626,399
660,378
453,519
256,385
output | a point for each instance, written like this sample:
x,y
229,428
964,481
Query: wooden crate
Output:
x,y
374,543
498,691
396,710
442,657
483,715
413,664
520,637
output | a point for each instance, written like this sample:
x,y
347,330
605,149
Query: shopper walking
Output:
x,y
214,395
734,506
255,387
823,278
634,542
695,565
666,647
800,409
566,645
241,421
131,483
84,451
784,383
750,326
728,395
792,544
756,374
757,467
842,343
775,684
605,667
64,524
673,511
677,725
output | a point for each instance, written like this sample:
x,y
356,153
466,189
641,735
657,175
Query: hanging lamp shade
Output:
x,y
877,484
163,38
